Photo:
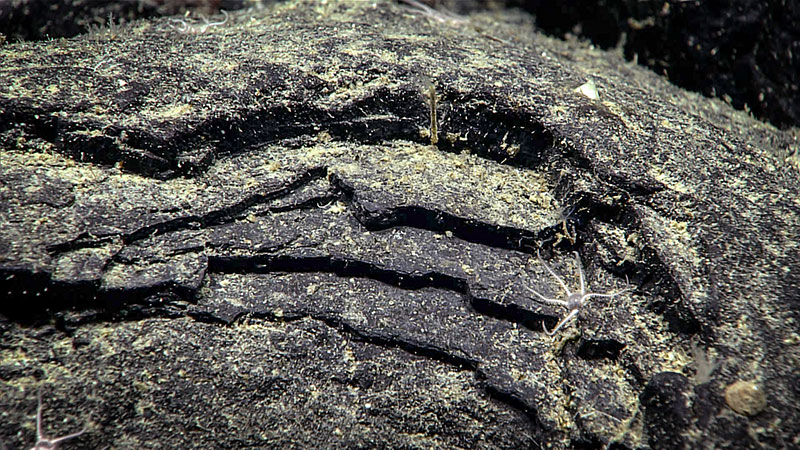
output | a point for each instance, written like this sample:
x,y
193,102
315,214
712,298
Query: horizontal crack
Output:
x,y
33,297
373,217
342,267
486,125
311,203
191,222
516,403
361,269
429,352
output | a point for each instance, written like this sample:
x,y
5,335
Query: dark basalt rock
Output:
x,y
243,236
665,401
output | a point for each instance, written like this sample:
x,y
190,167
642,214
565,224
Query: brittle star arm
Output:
x,y
560,281
42,441
52,443
209,24
590,295
580,271
560,324
549,301
611,295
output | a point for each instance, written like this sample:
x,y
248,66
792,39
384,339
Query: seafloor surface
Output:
x,y
317,224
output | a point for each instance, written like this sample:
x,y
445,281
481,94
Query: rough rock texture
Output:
x,y
746,52
241,235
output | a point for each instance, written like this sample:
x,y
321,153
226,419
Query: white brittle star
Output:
x,y
575,300
43,442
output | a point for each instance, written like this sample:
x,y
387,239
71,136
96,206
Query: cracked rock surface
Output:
x,y
244,237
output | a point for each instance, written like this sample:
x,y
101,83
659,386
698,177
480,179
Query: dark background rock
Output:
x,y
746,51
241,235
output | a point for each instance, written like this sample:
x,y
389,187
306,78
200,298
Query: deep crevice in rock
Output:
x,y
599,349
649,274
35,297
492,130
